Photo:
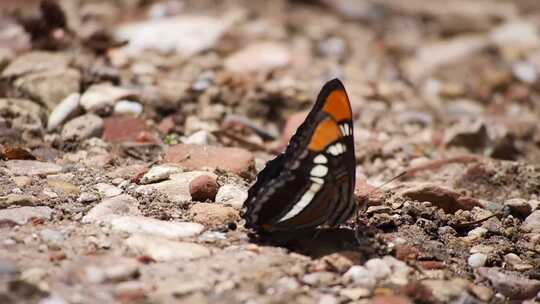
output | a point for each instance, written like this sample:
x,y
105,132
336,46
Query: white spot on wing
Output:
x,y
319,171
317,180
320,159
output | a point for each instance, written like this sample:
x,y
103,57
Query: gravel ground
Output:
x,y
131,130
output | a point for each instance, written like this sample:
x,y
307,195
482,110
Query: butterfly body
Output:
x,y
312,182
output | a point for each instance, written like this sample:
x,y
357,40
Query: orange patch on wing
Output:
x,y
326,132
337,105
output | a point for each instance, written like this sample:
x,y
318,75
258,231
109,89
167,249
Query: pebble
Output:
x,y
124,107
146,225
520,35
532,222
213,215
125,129
516,263
107,190
18,199
176,189
164,250
87,197
476,260
49,87
22,181
103,95
111,208
36,61
203,188
22,215
475,234
320,278
231,195
111,269
201,137
196,157
52,237
525,71
82,127
160,172
66,109
519,206
192,34
447,199
355,293
361,276
262,57
32,113
32,167
511,284
447,291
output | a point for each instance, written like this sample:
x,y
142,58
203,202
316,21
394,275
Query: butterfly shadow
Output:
x,y
317,242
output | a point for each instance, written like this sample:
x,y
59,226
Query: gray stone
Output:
x,y
107,190
35,62
112,208
22,215
511,284
232,195
476,260
159,173
82,127
31,167
50,87
146,225
164,250
100,96
532,222
66,109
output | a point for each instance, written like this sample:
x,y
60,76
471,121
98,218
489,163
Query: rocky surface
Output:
x,y
130,132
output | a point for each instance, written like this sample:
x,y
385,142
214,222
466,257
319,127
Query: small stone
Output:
x,y
448,200
23,215
163,250
361,276
447,291
231,195
82,127
532,222
192,34
124,107
176,188
160,172
518,206
63,186
519,35
516,263
321,278
146,225
112,208
31,167
213,215
107,190
18,199
263,57
35,62
196,157
525,71
355,293
201,137
481,248
22,181
476,234
391,299
203,188
52,237
511,284
49,87
87,197
482,292
124,129
476,260
103,95
66,109
112,269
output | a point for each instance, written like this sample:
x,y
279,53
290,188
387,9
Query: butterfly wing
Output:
x,y
312,182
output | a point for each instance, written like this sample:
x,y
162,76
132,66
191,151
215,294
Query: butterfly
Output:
x,y
312,182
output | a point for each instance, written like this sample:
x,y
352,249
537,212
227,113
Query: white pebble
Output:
x,y
477,260
128,107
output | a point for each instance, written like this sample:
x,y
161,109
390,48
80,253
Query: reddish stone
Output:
x,y
203,188
195,157
166,125
363,190
429,265
448,200
407,253
391,299
293,122
124,128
